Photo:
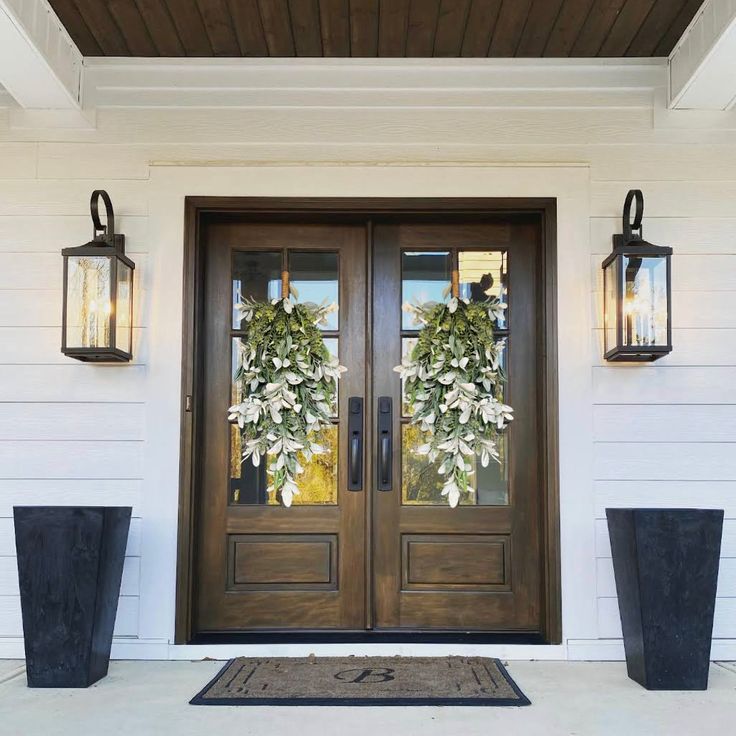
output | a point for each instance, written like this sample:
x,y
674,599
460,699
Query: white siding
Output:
x,y
664,434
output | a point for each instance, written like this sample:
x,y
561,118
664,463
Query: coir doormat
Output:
x,y
362,681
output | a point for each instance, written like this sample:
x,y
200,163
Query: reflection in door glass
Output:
x,y
256,275
314,275
425,277
421,484
333,344
317,484
407,345
484,274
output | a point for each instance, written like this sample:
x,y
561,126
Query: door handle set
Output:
x,y
355,443
385,442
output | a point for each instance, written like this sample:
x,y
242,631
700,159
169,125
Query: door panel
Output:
x,y
476,566
260,565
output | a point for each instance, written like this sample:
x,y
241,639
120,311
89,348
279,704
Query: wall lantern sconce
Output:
x,y
636,293
97,317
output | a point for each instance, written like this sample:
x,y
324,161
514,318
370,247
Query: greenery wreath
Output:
x,y
454,388
288,384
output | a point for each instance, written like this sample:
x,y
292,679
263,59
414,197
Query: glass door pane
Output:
x,y
314,276
426,277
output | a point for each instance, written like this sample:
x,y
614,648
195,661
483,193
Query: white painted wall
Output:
x,y
654,435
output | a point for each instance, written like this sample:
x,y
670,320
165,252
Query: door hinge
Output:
x,y
188,402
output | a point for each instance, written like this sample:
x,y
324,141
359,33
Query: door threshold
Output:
x,y
368,637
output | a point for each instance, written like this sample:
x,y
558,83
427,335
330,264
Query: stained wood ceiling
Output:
x,y
369,28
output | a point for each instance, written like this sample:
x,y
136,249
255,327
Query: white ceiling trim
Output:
x,y
703,63
392,83
40,66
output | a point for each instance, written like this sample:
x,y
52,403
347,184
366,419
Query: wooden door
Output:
x,y
477,567
259,565
421,566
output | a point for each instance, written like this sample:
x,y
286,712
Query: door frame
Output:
x,y
360,210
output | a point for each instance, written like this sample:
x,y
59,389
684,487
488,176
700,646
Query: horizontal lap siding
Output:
x,y
664,434
70,433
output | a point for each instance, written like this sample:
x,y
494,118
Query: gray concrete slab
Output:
x,y
10,668
569,698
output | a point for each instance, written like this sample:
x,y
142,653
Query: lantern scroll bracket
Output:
x,y
633,230
104,233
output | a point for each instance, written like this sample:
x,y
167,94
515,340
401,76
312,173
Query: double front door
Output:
x,y
369,543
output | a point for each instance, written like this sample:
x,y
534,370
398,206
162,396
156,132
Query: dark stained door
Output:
x,y
375,559
477,566
260,565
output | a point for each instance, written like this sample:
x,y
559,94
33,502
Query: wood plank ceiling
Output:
x,y
369,28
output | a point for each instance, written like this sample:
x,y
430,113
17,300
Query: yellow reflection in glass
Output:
x,y
317,484
421,484
483,274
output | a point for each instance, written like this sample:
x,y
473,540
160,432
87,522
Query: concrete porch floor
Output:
x,y
580,698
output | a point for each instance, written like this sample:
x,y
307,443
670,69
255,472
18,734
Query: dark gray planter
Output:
x,y
70,563
666,567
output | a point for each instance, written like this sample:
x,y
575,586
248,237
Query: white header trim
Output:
x,y
390,83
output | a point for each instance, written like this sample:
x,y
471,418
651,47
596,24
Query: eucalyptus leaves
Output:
x,y
454,387
288,384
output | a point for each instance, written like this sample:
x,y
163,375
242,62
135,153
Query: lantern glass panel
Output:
x,y
123,334
609,304
645,300
88,302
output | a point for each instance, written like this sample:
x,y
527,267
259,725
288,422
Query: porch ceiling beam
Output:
x,y
40,66
702,64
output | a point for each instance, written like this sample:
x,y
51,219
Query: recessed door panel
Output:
x,y
455,562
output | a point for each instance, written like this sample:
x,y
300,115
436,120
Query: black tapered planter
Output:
x,y
666,567
70,563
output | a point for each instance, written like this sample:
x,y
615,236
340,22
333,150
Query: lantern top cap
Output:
x,y
105,241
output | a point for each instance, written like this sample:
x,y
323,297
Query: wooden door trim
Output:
x,y
361,210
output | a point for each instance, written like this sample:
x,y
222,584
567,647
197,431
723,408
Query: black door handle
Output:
x,y
355,441
385,443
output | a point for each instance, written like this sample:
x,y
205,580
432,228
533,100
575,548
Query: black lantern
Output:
x,y
636,293
97,318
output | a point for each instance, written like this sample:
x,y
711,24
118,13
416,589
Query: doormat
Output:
x,y
362,681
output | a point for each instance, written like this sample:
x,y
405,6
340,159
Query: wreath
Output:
x,y
288,384
454,388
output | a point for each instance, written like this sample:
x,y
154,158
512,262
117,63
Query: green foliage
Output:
x,y
288,384
454,387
